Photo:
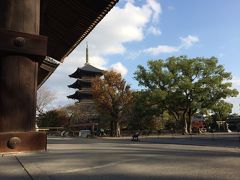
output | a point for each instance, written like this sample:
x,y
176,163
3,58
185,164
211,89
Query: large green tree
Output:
x,y
186,85
143,111
113,98
221,110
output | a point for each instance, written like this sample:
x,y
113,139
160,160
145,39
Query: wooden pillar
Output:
x,y
19,23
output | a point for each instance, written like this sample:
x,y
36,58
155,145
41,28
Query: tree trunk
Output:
x,y
190,121
185,128
185,124
118,129
112,128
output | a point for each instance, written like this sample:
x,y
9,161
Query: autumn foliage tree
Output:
x,y
113,97
53,118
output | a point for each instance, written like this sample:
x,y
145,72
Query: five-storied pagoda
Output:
x,y
89,116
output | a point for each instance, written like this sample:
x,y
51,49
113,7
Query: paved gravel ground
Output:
x,y
96,159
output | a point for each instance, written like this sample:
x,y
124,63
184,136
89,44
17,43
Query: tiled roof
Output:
x,y
86,69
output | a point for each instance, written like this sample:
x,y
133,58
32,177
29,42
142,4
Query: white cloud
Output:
x,y
132,55
161,49
98,62
185,43
235,82
120,68
156,7
154,30
123,25
235,101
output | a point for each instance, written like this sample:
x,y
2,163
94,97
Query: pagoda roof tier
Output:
x,y
79,95
78,84
87,69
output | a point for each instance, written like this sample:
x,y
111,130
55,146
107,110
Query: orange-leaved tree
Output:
x,y
113,97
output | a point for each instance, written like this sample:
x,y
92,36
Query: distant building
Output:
x,y
88,115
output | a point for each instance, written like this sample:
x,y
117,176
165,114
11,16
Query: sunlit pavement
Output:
x,y
151,158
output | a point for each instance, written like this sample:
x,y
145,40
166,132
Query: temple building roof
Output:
x,y
82,94
45,69
87,69
80,83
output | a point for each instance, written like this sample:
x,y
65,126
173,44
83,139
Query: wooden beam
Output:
x,y
23,43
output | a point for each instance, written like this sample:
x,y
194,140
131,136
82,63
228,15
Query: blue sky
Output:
x,y
134,32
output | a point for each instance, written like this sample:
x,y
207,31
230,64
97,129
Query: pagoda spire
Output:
x,y
84,76
86,53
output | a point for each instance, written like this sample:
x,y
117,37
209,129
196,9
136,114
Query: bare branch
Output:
x,y
44,98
